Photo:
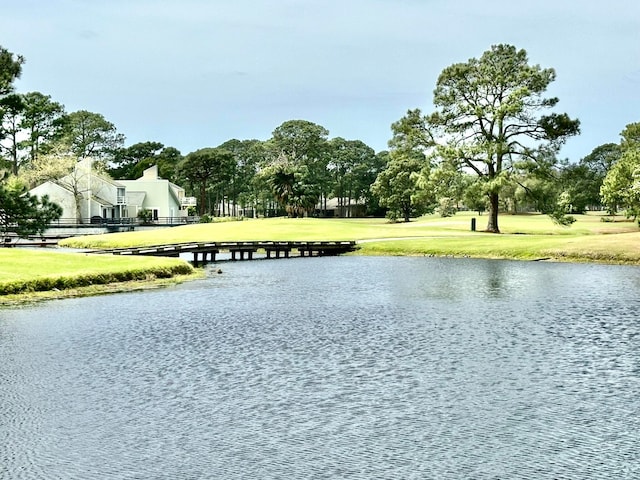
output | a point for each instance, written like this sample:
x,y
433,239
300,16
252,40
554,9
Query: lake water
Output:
x,y
337,368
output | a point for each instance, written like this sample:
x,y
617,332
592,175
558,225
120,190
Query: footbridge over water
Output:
x,y
207,251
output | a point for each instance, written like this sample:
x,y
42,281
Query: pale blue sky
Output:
x,y
195,73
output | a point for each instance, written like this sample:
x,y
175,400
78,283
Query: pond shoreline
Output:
x,y
29,298
20,299
526,238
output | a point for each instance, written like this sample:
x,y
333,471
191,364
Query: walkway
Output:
x,y
207,251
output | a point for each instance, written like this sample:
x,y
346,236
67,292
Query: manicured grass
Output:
x,y
613,248
524,237
344,229
24,271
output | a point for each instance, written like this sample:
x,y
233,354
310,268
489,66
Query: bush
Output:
x,y
446,207
145,216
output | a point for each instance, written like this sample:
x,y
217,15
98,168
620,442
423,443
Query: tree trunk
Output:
x,y
492,225
203,199
78,201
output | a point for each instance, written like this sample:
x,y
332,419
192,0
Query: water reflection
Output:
x,y
331,368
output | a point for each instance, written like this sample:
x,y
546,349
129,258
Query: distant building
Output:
x,y
165,200
87,197
343,208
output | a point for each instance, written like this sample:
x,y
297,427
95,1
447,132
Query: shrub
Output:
x,y
145,216
446,207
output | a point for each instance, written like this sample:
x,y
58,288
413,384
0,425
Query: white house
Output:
x,y
89,197
164,199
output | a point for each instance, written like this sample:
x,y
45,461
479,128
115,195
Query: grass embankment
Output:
x,y
33,274
525,237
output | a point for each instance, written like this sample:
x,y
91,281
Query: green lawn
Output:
x,y
524,236
346,229
613,248
28,270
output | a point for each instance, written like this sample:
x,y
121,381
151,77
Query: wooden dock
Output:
x,y
204,252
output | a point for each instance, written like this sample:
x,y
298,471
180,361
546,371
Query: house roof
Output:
x,y
101,201
136,198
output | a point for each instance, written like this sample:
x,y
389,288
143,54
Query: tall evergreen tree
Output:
x,y
488,119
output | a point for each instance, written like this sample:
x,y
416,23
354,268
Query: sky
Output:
x,y
196,73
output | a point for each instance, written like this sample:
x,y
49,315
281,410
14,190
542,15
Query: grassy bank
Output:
x,y
526,237
615,248
26,273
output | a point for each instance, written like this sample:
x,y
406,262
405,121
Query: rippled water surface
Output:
x,y
348,367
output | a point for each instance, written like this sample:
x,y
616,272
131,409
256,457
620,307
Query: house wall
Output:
x,y
57,195
157,196
103,191
148,192
66,200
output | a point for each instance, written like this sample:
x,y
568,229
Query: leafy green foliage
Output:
x,y
41,120
292,187
487,118
354,167
242,190
398,188
89,134
10,70
205,168
11,107
581,187
126,160
621,186
303,145
24,214
145,216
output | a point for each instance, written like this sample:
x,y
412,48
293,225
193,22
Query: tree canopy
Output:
x,y
24,214
488,121
621,186
89,134
491,142
204,168
20,213
10,70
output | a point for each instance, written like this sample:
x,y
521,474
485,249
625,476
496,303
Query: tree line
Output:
x,y
491,144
